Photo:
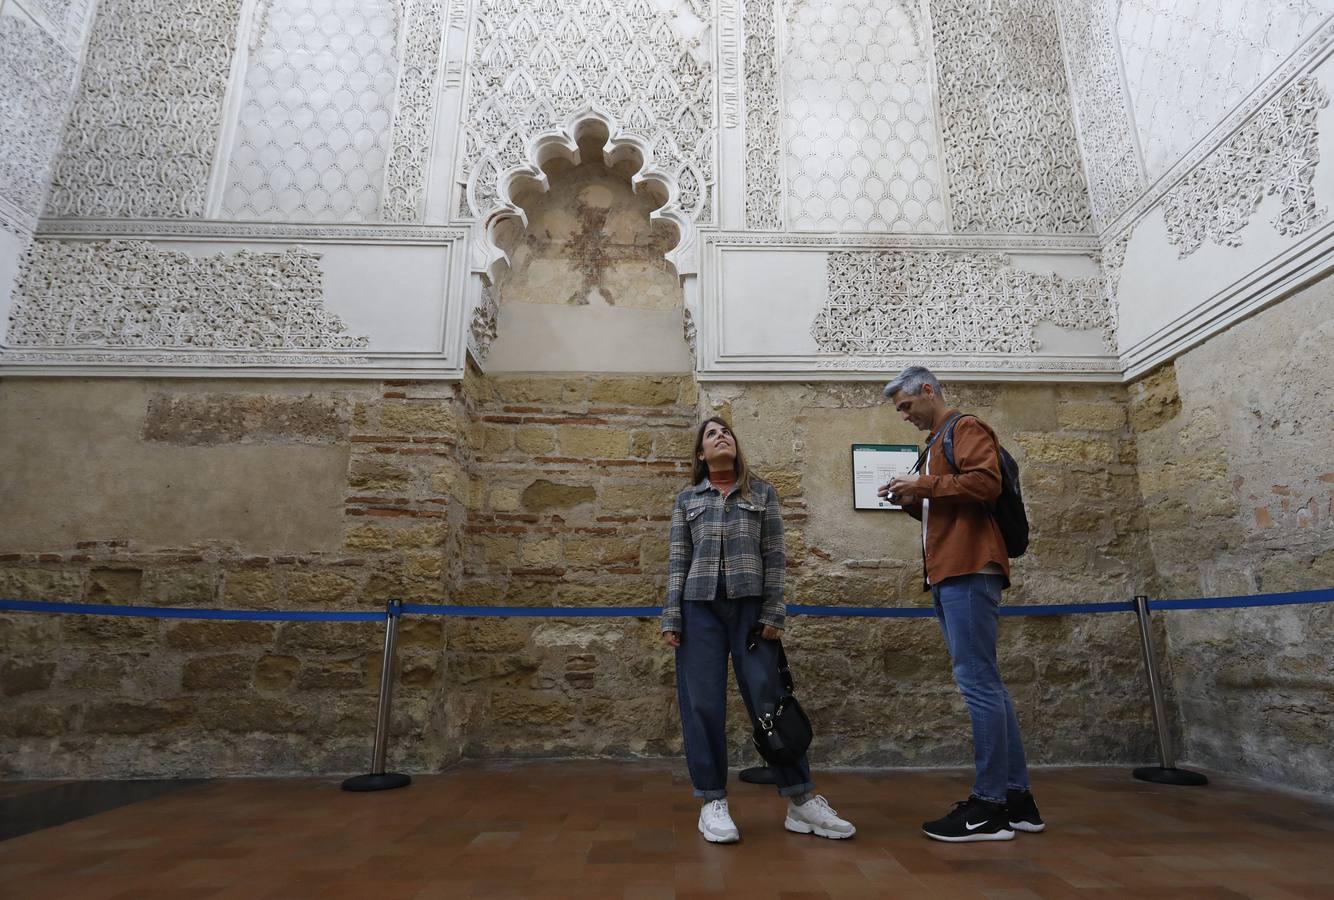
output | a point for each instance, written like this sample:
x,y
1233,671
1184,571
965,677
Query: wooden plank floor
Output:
x,y
627,830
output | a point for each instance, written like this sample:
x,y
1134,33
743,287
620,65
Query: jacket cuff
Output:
x,y
670,622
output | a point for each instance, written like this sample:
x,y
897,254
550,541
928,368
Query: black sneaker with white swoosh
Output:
x,y
973,819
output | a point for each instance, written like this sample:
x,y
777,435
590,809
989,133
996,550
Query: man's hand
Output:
x,y
905,487
771,633
672,638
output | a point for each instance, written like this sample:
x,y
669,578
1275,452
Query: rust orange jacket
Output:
x,y
961,535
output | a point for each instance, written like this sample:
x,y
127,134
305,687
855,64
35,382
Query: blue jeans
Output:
x,y
968,609
710,632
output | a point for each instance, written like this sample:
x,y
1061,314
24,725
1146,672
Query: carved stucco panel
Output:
x,y
36,76
1111,160
861,152
1010,148
482,328
1188,64
132,294
1276,152
888,302
646,64
141,136
315,153
414,116
764,137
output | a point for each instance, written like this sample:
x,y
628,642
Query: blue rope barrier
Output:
x,y
1323,595
555,612
180,612
1289,598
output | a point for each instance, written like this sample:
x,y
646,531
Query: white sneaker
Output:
x,y
716,824
816,817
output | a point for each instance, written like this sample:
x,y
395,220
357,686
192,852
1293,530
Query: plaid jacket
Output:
x,y
753,557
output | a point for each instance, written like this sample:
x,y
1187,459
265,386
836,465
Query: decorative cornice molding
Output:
x,y
1003,243
215,229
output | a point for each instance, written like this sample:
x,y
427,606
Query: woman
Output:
x,y
725,578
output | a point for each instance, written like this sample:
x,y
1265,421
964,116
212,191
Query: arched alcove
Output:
x,y
590,284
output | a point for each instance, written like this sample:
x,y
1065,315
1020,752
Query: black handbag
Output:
x,y
782,731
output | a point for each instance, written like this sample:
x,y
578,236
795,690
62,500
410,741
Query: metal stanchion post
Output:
x,y
378,779
1167,772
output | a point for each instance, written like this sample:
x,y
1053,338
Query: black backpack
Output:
x,y
1008,510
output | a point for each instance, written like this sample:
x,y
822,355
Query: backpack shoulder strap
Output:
x,y
947,440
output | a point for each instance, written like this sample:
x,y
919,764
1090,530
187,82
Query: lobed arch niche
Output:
x,y
586,263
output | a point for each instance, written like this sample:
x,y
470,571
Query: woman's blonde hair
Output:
x,y
702,468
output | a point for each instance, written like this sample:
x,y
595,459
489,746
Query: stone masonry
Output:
x,y
523,491
1237,476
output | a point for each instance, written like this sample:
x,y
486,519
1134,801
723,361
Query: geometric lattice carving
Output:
x,y
1111,162
764,141
142,132
414,113
862,153
535,63
35,81
316,152
1274,153
134,294
1188,64
1010,148
928,301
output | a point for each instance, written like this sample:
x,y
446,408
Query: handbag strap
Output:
x,y
784,673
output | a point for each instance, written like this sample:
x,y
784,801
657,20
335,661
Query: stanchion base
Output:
x,y
1159,775
377,781
759,775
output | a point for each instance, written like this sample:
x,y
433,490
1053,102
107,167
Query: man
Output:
x,y
966,568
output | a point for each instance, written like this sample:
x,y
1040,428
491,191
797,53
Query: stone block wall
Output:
x,y
880,690
220,494
1236,467
508,490
572,480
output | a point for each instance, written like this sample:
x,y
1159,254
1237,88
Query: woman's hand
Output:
x,y
672,638
771,633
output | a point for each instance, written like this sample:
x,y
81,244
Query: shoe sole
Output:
x,y
715,839
1029,827
805,828
1002,835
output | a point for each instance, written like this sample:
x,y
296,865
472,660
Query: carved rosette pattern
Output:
x,y
861,150
535,63
141,136
482,328
1276,152
414,117
1010,149
1111,161
1188,64
316,153
1112,259
131,294
764,142
35,80
941,303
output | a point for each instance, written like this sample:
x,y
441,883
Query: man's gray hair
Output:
x,y
910,382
